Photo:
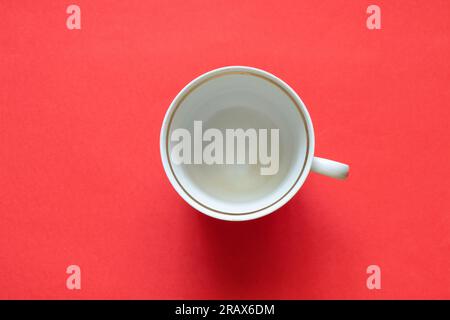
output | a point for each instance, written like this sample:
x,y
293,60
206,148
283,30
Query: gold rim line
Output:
x,y
197,85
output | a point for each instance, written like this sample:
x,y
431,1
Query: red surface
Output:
x,y
81,181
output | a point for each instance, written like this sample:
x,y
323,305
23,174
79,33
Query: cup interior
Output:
x,y
236,99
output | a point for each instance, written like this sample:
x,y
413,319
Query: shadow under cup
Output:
x,y
239,99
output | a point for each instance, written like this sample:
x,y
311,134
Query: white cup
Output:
x,y
243,97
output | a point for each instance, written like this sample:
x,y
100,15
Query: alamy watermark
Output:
x,y
235,146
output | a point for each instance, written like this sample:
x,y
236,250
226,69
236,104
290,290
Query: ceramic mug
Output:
x,y
245,98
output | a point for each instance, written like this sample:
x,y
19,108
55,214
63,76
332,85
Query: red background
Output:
x,y
81,181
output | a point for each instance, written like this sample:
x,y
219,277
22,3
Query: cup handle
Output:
x,y
330,168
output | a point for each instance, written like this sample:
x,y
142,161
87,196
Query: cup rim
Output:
x,y
191,86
